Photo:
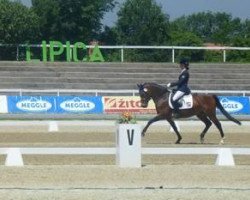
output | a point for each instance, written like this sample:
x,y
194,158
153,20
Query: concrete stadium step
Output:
x,y
227,86
65,66
27,74
116,80
72,66
112,67
118,64
117,86
146,76
63,75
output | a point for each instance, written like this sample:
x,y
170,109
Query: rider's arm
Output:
x,y
183,78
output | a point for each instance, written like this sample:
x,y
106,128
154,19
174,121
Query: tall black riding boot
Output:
x,y
176,111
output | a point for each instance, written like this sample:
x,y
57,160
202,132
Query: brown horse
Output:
x,y
204,107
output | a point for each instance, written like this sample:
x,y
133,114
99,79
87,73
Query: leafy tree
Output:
x,y
210,27
240,55
72,20
187,39
142,23
109,37
245,33
48,12
18,24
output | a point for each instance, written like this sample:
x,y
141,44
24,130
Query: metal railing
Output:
x,y
59,92
123,47
173,48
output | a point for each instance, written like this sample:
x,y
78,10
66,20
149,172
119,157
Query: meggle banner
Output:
x,y
70,104
235,105
54,104
31,104
117,104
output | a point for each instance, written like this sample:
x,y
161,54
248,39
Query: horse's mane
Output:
x,y
157,86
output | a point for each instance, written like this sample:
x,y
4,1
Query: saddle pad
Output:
x,y
186,102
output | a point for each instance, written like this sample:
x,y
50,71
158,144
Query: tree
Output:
x,y
48,12
142,23
71,20
246,29
18,24
210,27
239,56
187,39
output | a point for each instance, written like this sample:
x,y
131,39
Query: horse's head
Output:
x,y
145,94
150,90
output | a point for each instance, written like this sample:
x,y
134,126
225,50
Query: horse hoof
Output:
x,y
202,140
177,142
222,141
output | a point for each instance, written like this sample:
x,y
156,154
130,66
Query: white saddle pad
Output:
x,y
186,102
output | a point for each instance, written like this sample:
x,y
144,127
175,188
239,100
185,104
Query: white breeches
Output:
x,y
178,95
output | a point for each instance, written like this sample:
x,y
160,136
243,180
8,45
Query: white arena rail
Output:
x,y
59,92
224,154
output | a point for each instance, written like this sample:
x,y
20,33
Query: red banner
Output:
x,y
118,104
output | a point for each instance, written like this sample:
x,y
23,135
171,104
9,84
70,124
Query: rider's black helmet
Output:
x,y
185,62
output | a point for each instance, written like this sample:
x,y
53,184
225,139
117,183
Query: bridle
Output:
x,y
145,97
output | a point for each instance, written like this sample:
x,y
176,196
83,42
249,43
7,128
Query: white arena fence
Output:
x,y
224,155
123,48
59,92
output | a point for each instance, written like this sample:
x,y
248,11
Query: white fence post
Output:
x,y
53,126
128,145
128,151
14,157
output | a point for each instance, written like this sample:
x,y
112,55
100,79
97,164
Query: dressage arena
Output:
x,y
97,177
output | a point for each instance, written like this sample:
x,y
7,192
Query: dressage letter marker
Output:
x,y
128,145
130,137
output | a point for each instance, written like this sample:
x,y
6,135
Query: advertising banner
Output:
x,y
54,104
98,105
118,104
235,105
84,104
3,104
31,104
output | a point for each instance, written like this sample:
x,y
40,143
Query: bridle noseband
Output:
x,y
145,97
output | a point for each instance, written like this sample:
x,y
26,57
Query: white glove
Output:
x,y
169,85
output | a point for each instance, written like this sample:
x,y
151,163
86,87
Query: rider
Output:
x,y
182,85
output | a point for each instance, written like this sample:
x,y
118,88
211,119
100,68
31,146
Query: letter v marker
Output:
x,y
130,137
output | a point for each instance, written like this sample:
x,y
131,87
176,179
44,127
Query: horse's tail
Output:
x,y
224,112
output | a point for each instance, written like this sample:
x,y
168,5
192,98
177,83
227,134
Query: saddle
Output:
x,y
186,102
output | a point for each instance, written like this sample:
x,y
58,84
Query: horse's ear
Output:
x,y
139,85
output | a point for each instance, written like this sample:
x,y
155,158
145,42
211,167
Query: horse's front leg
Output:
x,y
173,125
155,119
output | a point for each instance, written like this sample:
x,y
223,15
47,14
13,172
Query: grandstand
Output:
x,y
118,76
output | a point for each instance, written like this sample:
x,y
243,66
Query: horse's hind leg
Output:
x,y
173,125
214,119
207,123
